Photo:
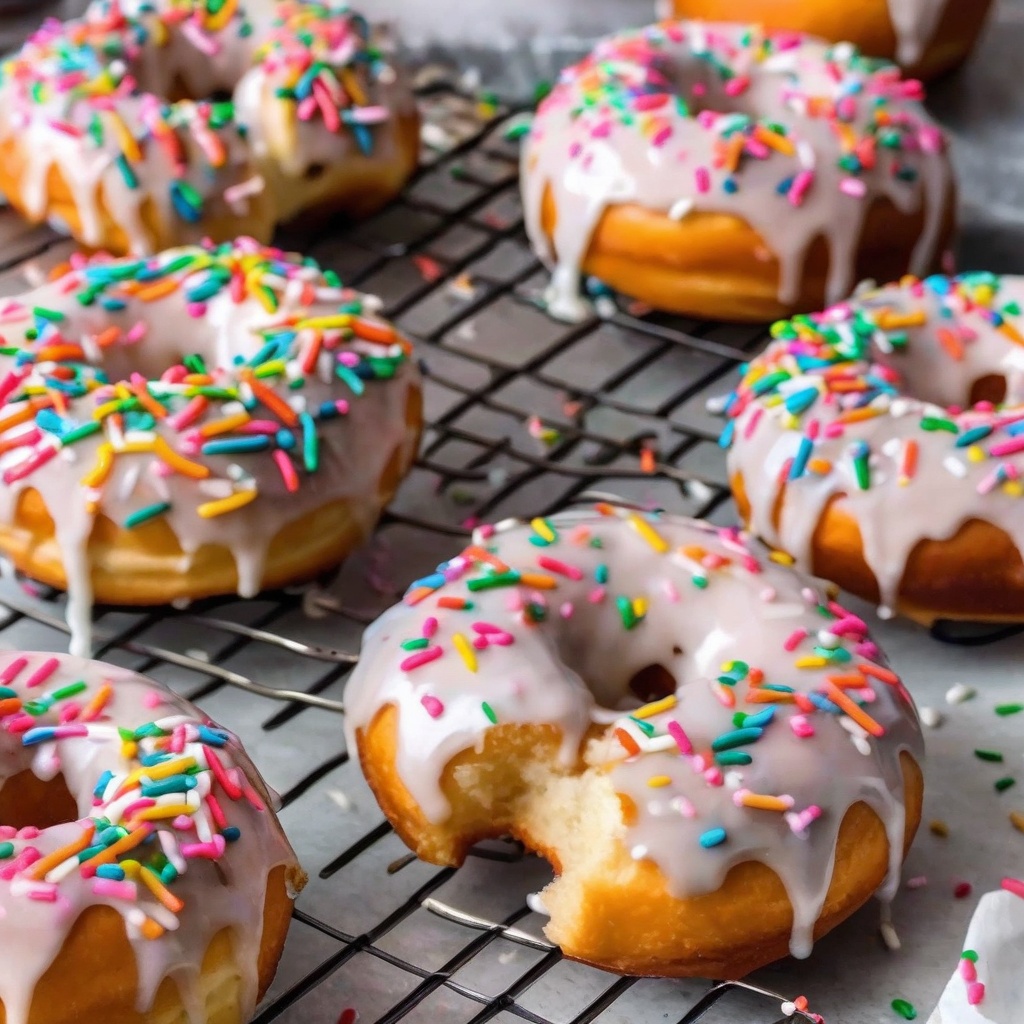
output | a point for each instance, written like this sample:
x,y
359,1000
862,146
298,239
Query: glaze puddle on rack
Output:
x,y
525,415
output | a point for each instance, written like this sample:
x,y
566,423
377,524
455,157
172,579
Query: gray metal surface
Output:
x,y
393,939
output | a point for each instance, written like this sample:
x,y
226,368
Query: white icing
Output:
x,y
573,670
584,150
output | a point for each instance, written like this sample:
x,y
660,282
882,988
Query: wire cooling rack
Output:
x,y
524,416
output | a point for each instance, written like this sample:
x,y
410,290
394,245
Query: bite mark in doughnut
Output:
x,y
709,170
713,755
209,420
143,875
292,108
879,444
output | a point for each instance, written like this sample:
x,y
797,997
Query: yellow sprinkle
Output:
x,y
1013,488
639,607
239,499
892,321
939,828
1017,820
159,813
129,749
657,781
224,425
100,471
655,707
131,868
649,533
975,454
465,649
101,412
543,528
782,557
811,661
324,323
156,772
790,421
125,139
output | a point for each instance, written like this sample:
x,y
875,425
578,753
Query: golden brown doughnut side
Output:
x,y
606,907
715,265
870,30
976,574
80,986
144,565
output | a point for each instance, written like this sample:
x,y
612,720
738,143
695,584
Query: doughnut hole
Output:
x,y
653,682
990,388
26,800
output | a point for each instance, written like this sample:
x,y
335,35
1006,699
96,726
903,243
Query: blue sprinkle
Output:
x,y
285,439
713,837
800,401
968,437
38,735
172,784
112,871
939,284
182,207
237,445
761,719
212,737
232,834
800,460
725,438
822,703
102,783
353,380
433,581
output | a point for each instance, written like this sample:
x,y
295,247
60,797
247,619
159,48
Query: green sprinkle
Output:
x,y
626,612
904,1009
601,574
1002,785
85,430
989,755
938,423
1009,709
700,582
736,738
415,645
71,690
969,954
731,758
6,850
52,315
489,712
495,579
143,515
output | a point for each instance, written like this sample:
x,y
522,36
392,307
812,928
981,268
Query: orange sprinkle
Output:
x,y
59,353
98,703
604,509
648,463
160,891
1011,332
951,343
9,706
277,405
909,467
478,554
857,415
373,330
157,290
224,425
123,845
854,710
821,467
725,695
150,929
877,672
769,697
455,603
762,802
417,595
107,337
629,744
755,676
46,864
854,681
147,401
538,580
178,462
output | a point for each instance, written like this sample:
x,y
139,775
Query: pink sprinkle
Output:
x,y
737,86
566,609
800,187
138,805
501,639
967,970
703,178
212,850
486,531
963,889
29,832
555,566
676,731
152,699
917,882
419,658
794,639
975,993
1009,447
853,187
43,893
671,592
481,643
686,809
11,671
114,889
801,726
432,706
714,777
136,333
1014,885
597,595
183,823
752,421
486,628
429,626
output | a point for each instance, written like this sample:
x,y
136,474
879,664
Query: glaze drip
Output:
x,y
226,391
174,834
870,403
796,138
782,713
914,22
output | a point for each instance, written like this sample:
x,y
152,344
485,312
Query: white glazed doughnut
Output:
x,y
767,791
143,875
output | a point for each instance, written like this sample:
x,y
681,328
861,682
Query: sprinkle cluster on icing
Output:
x,y
725,762
246,413
164,808
78,76
794,137
629,81
834,385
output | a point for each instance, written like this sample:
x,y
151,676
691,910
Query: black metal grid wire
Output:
x,y
524,416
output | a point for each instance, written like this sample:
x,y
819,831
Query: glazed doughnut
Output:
x,y
96,137
143,875
690,733
209,420
708,170
879,445
927,37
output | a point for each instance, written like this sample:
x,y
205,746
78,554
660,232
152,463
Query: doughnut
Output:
x,y
927,37
213,419
153,123
715,172
879,445
143,874
712,754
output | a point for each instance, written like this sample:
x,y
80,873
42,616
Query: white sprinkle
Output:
x,y
535,902
788,1008
955,466
680,208
885,612
931,717
917,882
889,936
958,693
638,852
339,799
715,405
